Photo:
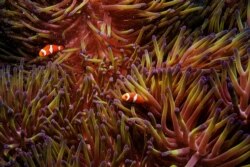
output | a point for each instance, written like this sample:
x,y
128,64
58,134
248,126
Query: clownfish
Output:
x,y
133,97
50,49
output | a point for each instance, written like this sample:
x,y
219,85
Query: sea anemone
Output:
x,y
29,101
221,15
88,25
42,123
233,84
185,116
204,52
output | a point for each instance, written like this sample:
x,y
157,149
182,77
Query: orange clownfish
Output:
x,y
50,49
133,97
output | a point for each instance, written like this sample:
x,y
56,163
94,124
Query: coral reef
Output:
x,y
188,61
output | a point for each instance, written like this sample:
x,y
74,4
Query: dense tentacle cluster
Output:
x,y
190,118
205,52
226,14
44,123
233,84
88,24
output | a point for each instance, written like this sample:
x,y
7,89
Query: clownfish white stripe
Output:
x,y
50,49
135,98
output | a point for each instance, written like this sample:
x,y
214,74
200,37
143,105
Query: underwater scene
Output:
x,y
124,83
